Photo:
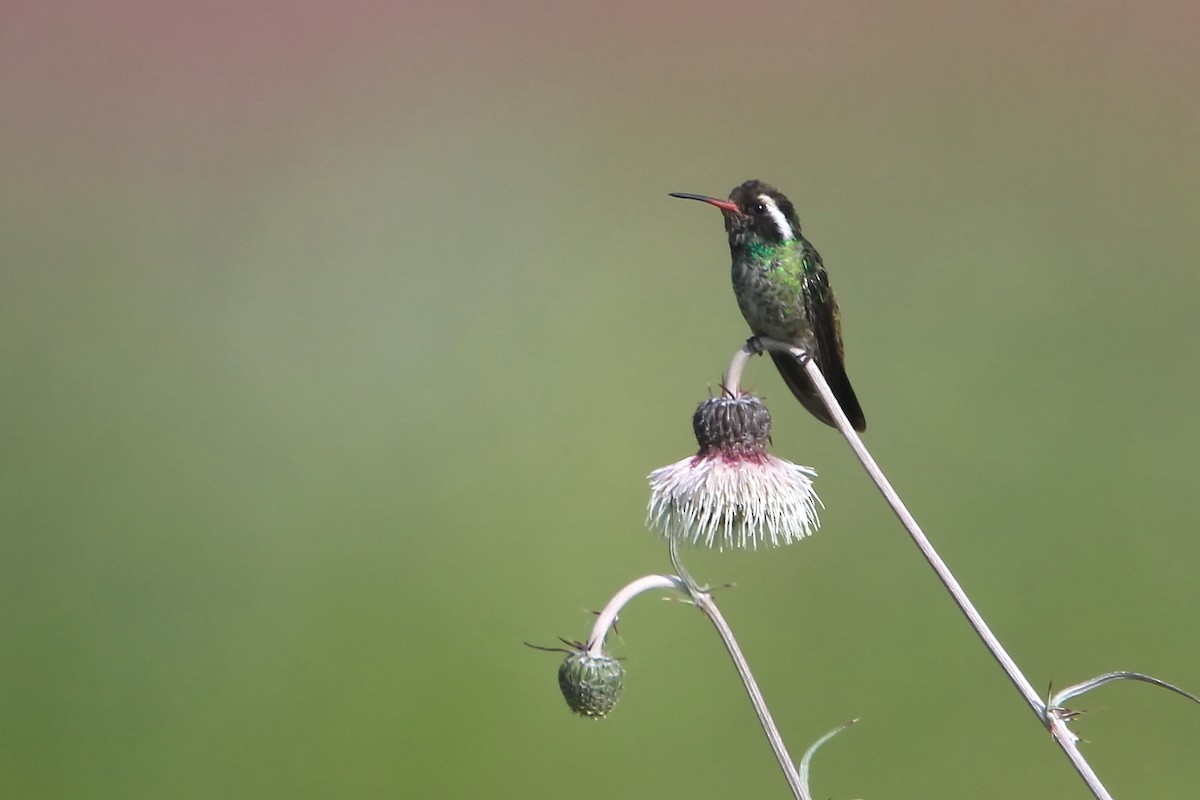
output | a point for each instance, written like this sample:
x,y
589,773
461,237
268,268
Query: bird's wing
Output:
x,y
827,330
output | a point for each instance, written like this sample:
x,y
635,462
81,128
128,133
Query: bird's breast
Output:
x,y
772,305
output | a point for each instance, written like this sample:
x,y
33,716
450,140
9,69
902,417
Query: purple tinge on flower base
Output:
x,y
733,493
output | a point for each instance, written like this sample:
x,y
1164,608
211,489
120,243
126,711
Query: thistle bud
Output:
x,y
591,684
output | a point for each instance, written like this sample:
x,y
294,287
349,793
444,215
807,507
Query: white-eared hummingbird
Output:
x,y
783,291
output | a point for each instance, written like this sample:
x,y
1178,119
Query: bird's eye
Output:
x,y
759,208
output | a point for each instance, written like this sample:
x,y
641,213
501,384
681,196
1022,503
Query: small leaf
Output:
x,y
806,762
1057,700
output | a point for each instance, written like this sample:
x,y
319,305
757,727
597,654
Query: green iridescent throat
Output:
x,y
786,260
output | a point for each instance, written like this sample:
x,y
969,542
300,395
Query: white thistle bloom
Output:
x,y
733,493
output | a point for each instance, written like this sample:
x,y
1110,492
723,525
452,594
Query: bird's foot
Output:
x,y
755,346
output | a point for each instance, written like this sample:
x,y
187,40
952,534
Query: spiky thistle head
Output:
x,y
733,493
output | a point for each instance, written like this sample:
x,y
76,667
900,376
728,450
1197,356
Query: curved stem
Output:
x,y
733,375
608,616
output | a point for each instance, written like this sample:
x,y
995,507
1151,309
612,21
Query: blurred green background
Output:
x,y
337,342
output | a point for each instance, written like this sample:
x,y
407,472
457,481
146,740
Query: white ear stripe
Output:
x,y
785,230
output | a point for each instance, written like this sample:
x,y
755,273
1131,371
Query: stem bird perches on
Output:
x,y
1050,715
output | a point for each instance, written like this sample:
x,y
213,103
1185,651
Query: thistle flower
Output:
x,y
733,493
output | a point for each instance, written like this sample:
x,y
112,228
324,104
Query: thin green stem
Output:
x,y
1061,734
704,601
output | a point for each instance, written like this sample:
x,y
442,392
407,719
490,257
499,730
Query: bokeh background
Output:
x,y
336,341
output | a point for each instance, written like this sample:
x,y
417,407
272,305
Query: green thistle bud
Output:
x,y
591,684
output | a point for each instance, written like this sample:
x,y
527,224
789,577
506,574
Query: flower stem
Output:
x,y
608,616
1060,733
704,601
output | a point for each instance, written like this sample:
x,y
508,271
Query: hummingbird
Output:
x,y
783,291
